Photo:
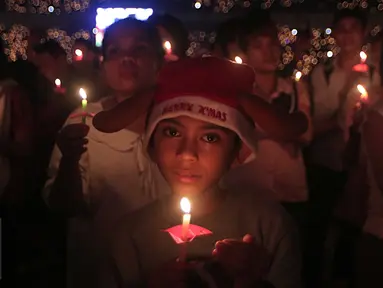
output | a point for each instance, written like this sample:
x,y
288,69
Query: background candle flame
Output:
x,y
363,56
167,45
238,60
185,205
82,93
298,75
78,52
362,91
58,82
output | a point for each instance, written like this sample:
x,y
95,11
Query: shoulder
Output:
x,y
136,223
268,215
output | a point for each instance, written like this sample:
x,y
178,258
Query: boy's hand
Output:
x,y
71,140
171,274
242,259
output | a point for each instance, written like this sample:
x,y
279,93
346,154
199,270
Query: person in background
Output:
x,y
95,178
278,171
173,30
35,38
331,86
370,245
88,74
193,150
226,41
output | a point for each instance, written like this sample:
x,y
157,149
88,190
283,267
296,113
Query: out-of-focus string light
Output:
x,y
16,41
47,6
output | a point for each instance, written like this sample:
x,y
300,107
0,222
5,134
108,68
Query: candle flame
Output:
x,y
363,56
58,82
78,52
362,91
185,205
82,93
167,45
238,60
298,76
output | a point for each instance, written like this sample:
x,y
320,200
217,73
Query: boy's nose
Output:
x,y
188,150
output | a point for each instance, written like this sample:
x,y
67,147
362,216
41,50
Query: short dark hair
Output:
x,y
176,29
50,47
356,13
147,28
258,23
227,33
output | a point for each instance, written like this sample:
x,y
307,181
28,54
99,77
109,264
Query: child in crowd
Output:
x,y
95,178
194,133
279,169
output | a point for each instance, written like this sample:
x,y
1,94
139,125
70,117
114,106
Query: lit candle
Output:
x,y
168,47
84,103
363,57
362,66
298,76
58,83
78,55
363,93
185,207
238,60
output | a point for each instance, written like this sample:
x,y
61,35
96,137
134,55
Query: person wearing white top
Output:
x,y
95,178
278,172
369,260
334,91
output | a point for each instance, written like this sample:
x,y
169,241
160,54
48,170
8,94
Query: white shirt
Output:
x,y
327,150
374,221
117,179
278,170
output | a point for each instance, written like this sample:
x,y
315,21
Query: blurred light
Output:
x,y
294,32
238,60
167,45
107,16
197,5
78,52
51,9
330,54
328,31
99,38
95,31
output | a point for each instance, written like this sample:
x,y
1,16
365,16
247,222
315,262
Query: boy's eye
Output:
x,y
171,132
210,138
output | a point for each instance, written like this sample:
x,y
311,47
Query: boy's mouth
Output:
x,y
187,177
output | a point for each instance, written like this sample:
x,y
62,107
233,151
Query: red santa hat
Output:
x,y
207,89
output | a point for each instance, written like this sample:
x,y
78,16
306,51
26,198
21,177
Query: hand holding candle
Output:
x,y
84,102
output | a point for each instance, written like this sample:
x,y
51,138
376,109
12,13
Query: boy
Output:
x,y
194,133
279,170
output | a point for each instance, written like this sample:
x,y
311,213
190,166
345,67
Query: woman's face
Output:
x,y
130,62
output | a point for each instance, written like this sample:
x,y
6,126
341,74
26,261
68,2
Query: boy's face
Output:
x,y
263,53
192,154
349,34
130,62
